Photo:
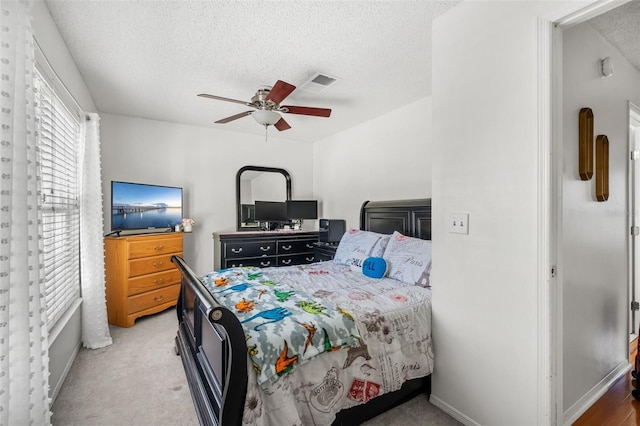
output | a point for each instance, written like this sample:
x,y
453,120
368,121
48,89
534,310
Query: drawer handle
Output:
x,y
267,263
158,264
240,265
267,248
158,298
238,250
159,281
286,261
310,259
160,247
286,247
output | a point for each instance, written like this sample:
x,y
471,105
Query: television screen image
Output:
x,y
136,206
270,211
302,209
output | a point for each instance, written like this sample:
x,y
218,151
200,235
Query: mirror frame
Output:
x,y
283,172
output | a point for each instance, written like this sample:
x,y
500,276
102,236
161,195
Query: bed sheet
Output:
x,y
394,322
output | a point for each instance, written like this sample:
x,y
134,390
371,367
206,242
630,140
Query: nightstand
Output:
x,y
324,251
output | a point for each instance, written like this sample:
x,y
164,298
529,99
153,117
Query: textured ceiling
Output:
x,y
621,28
150,59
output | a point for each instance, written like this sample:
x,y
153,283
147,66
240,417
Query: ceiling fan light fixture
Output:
x,y
265,117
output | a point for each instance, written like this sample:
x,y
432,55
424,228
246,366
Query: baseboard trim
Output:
x,y
583,404
462,418
67,368
56,332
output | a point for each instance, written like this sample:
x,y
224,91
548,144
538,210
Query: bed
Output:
x,y
366,367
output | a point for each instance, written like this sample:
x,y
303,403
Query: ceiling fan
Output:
x,y
267,108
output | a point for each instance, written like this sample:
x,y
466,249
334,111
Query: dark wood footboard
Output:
x,y
212,346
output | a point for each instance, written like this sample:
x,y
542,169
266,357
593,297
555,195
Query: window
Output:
x,y
58,136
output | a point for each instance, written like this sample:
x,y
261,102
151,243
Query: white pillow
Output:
x,y
357,244
409,259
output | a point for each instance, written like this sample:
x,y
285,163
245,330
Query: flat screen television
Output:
x,y
143,207
302,209
270,211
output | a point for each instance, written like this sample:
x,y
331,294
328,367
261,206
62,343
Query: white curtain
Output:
x,y
95,327
24,356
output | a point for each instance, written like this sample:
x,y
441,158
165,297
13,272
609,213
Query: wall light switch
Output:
x,y
459,223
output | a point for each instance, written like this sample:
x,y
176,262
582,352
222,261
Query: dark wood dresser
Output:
x,y
264,248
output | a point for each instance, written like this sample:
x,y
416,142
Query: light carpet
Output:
x,y
140,381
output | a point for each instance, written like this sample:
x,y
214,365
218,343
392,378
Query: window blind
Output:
x,y
58,138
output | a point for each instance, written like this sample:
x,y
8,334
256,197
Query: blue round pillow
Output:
x,y
374,267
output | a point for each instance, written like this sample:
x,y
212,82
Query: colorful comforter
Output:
x,y
284,327
393,323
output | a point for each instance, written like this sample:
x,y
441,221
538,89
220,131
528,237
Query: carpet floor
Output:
x,y
140,381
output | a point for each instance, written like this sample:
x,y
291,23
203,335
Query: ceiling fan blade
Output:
x,y
234,117
282,125
220,98
317,112
280,91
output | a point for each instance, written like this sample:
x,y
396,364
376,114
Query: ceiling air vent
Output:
x,y
318,83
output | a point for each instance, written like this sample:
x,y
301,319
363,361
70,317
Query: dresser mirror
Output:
x,y
262,184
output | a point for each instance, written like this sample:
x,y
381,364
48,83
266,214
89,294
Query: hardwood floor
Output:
x,y
616,407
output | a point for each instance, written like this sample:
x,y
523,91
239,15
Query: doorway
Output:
x,y
591,323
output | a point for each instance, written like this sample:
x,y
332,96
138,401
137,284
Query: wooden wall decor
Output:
x,y
602,168
585,149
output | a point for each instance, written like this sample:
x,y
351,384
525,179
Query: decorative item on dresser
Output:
x,y
258,183
265,248
140,278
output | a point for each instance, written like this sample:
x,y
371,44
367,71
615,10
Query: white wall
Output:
x,y
387,158
485,162
204,162
594,250
64,345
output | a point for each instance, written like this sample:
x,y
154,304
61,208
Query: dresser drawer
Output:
x,y
153,298
150,265
153,281
261,262
295,259
249,249
154,247
286,247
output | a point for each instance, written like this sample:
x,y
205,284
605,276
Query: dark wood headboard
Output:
x,y
409,217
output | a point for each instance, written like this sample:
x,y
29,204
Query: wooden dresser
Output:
x,y
265,248
140,278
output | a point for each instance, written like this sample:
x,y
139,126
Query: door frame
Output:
x,y
633,203
550,265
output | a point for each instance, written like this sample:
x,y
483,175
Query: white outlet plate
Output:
x,y
459,223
